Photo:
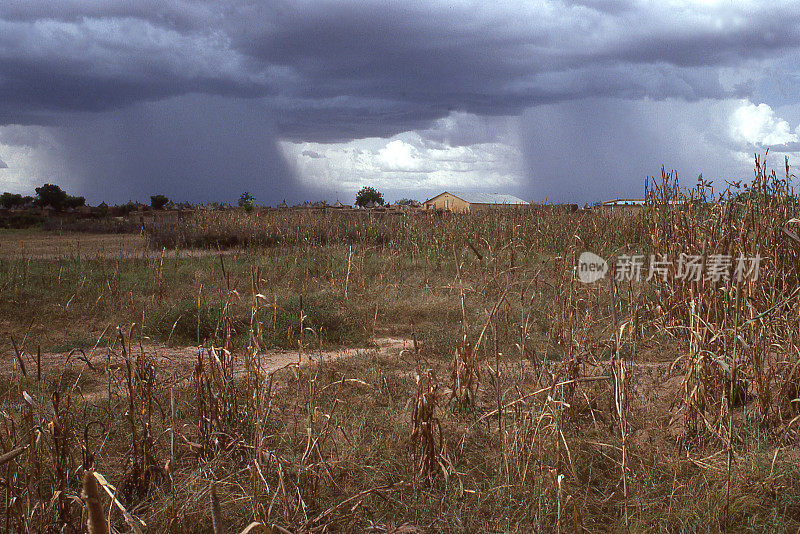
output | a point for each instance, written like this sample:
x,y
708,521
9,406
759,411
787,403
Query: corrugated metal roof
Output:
x,y
623,201
487,198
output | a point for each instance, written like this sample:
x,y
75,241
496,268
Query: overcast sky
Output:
x,y
561,100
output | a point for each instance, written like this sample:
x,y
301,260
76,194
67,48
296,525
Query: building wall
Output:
x,y
446,201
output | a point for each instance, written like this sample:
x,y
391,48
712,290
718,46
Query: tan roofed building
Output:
x,y
459,202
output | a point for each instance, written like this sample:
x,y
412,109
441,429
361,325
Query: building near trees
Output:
x,y
459,202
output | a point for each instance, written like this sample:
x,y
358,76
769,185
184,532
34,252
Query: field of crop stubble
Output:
x,y
334,372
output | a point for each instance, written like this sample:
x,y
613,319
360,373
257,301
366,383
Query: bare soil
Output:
x,y
181,361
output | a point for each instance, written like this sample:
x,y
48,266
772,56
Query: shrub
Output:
x,y
179,323
18,221
338,325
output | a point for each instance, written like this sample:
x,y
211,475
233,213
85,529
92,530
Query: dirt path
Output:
x,y
181,361
384,346
654,387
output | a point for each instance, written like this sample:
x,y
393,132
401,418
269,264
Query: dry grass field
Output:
x,y
43,245
290,371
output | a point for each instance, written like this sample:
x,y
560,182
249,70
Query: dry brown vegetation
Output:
x,y
521,401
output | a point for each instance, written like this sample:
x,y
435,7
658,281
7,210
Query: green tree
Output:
x,y
124,209
74,202
246,201
369,195
51,195
11,200
158,202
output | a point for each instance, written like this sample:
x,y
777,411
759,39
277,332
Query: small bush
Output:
x,y
158,202
246,201
338,326
179,323
18,221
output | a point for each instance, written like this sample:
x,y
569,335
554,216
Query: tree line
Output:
x,y
52,195
55,197
46,195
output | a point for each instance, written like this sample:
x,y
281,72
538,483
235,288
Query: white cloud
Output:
x,y
399,156
28,158
413,163
758,125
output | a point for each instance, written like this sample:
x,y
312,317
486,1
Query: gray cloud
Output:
x,y
599,149
184,95
338,70
461,129
3,164
192,148
178,14
20,136
787,147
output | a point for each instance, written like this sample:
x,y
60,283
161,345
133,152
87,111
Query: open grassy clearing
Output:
x,y
35,244
516,399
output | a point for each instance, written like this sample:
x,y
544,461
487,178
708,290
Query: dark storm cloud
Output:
x,y
612,7
183,94
49,66
574,159
406,64
463,129
179,14
499,62
191,148
343,119
20,136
